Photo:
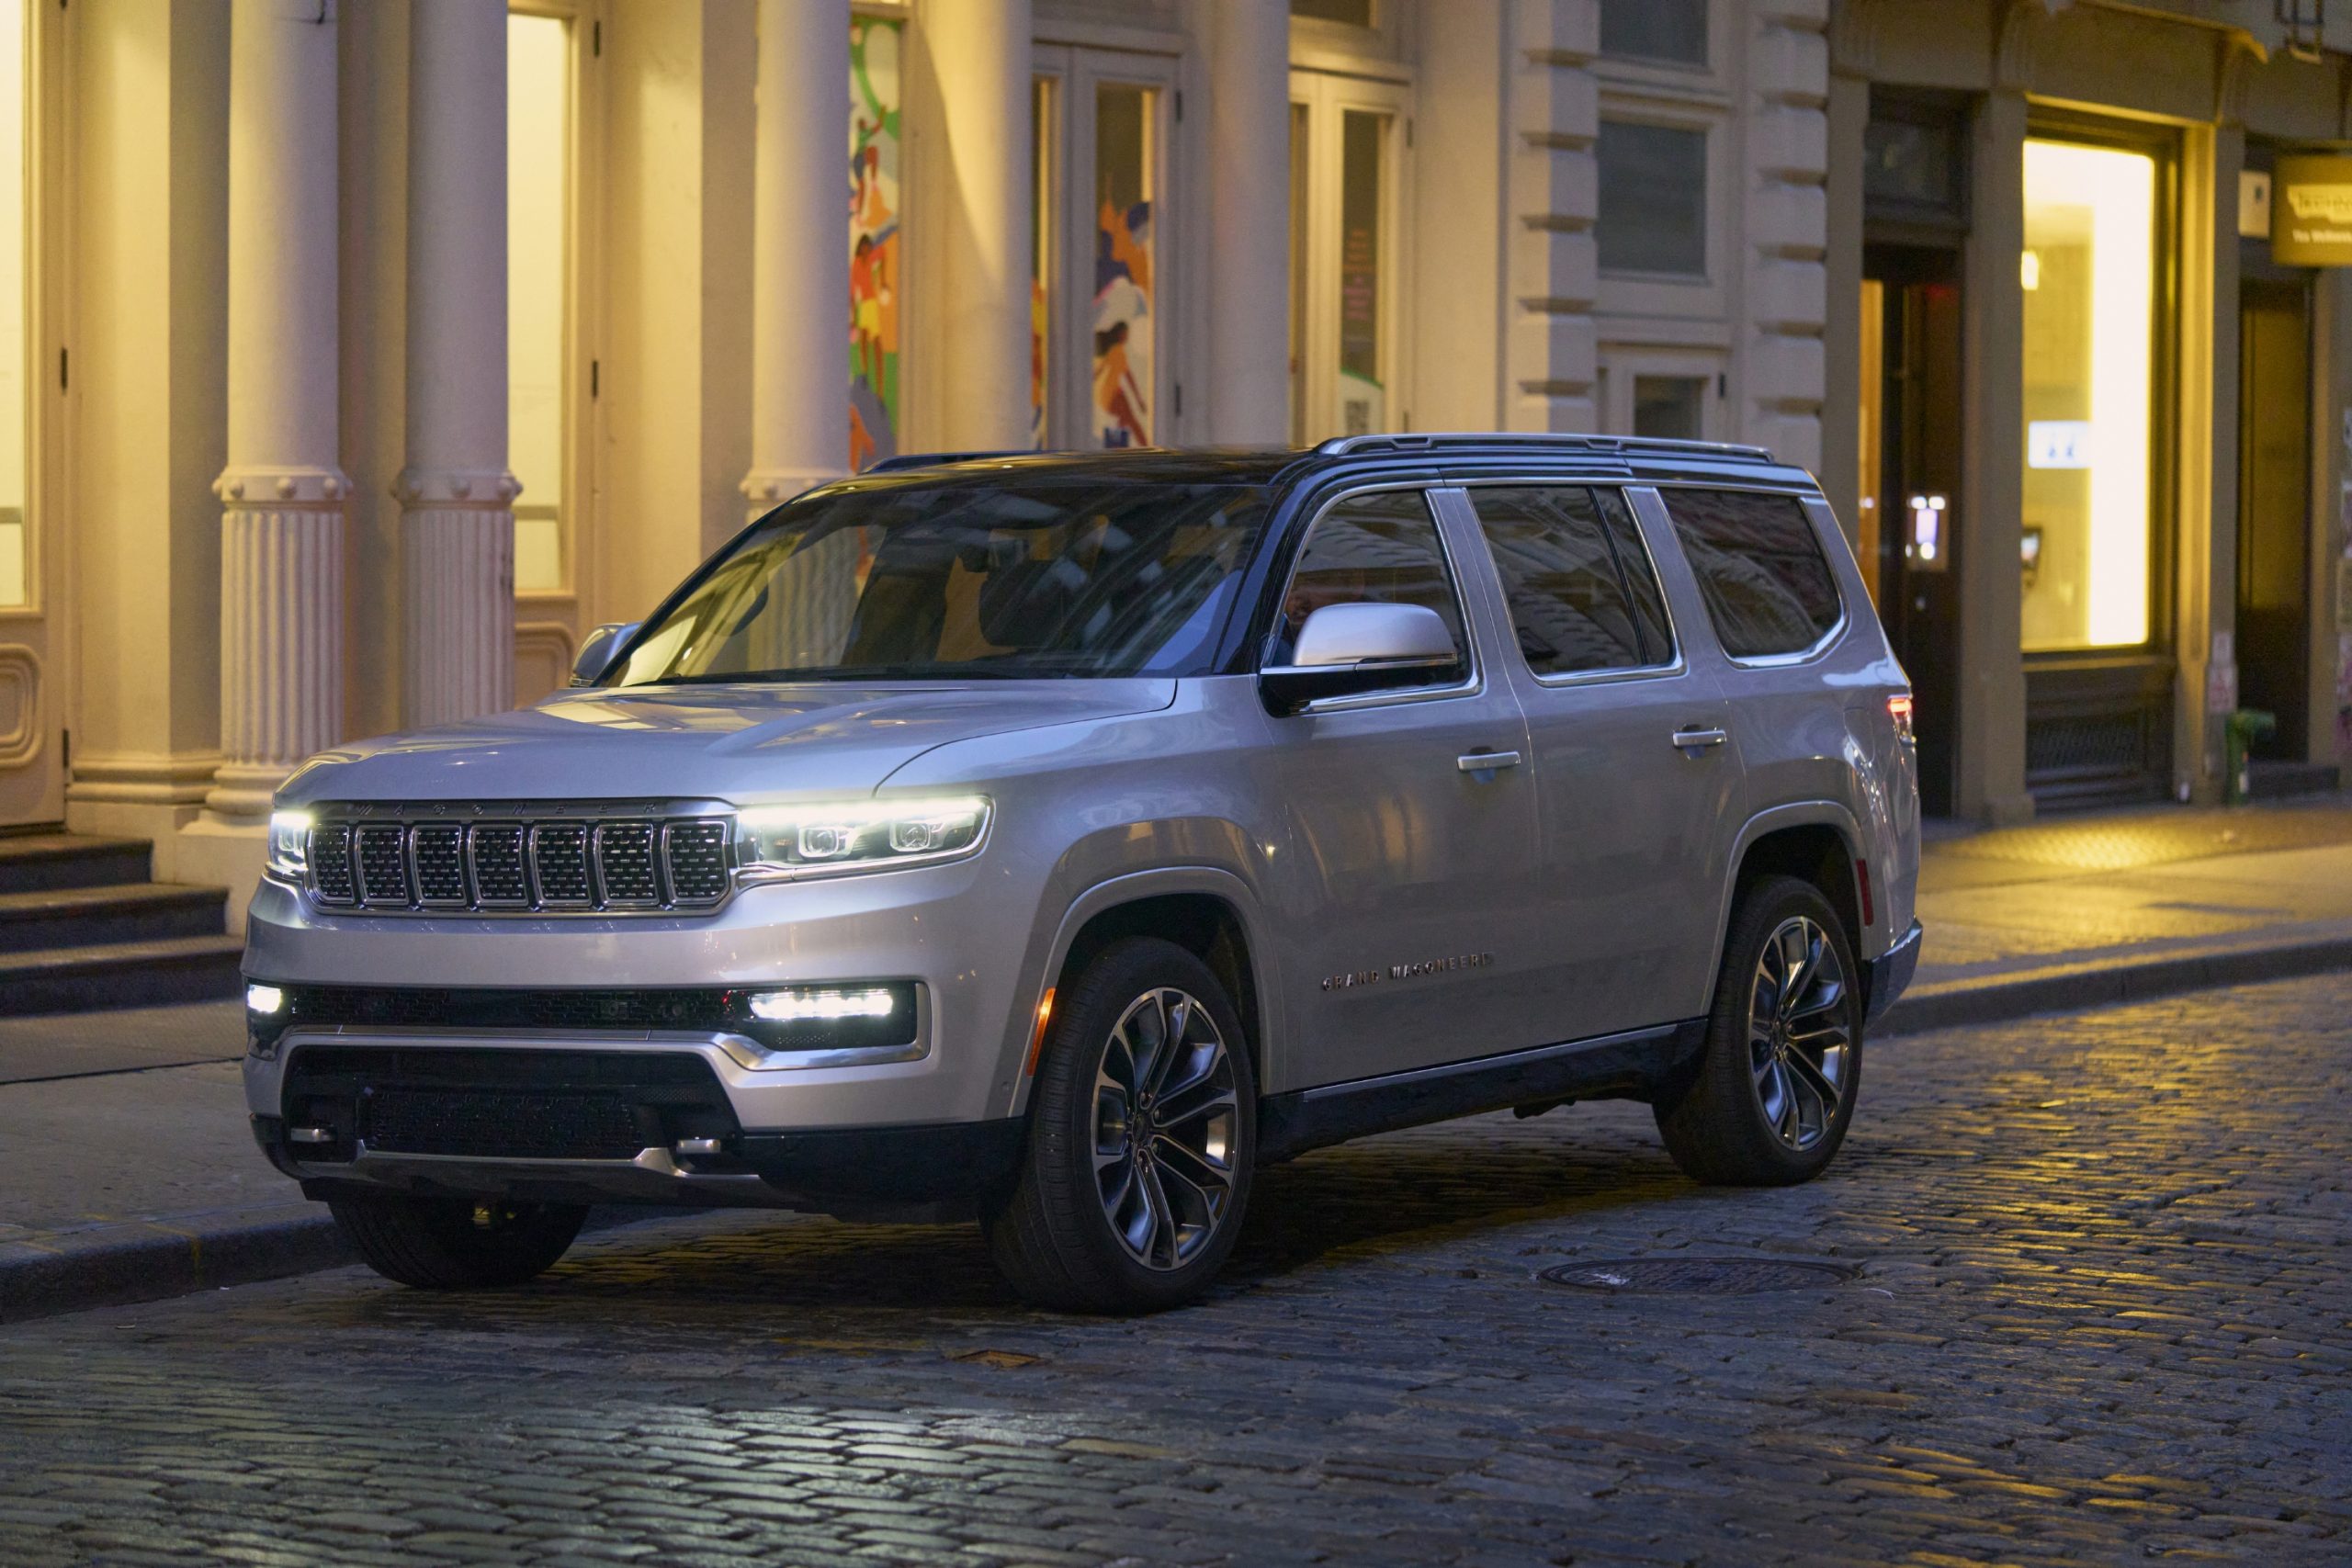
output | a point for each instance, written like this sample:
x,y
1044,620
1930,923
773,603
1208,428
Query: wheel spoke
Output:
x,y
1785,1123
1816,1082
1161,1242
1202,1096
1194,1167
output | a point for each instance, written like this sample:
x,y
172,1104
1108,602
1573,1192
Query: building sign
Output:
x,y
2058,443
2311,212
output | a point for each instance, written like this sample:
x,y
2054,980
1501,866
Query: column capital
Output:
x,y
443,489
276,487
766,487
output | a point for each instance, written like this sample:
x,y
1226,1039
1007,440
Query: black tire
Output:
x,y
1066,1235
456,1244
1753,1113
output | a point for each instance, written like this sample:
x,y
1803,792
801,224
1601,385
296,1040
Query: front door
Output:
x,y
35,378
1633,825
1102,372
2274,508
1349,178
1413,867
1911,499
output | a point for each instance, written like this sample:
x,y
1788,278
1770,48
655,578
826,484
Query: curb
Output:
x,y
157,1263
2064,988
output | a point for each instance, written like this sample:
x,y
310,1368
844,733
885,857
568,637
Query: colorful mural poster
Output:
x,y
1122,265
875,46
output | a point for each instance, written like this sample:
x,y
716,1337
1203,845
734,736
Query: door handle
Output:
x,y
1691,739
1485,762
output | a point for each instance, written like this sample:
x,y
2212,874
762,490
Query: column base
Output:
x,y
218,851
241,793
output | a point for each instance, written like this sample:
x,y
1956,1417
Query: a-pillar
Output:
x,y
1248,387
455,492
979,58
282,494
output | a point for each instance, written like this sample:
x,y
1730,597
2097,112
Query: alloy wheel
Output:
x,y
1800,1041
1165,1120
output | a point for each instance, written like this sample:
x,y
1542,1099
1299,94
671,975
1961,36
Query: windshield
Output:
x,y
1076,577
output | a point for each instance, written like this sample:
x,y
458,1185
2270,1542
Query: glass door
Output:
x,y
34,379
1349,140
1101,372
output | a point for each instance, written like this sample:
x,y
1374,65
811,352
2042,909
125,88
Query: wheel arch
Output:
x,y
1816,840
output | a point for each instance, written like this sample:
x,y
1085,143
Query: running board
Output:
x,y
1633,1065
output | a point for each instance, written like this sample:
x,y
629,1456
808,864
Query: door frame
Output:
x,y
1326,95
37,637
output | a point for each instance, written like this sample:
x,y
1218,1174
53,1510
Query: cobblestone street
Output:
x,y
2100,1315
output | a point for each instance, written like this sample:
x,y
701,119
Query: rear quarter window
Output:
x,y
1767,585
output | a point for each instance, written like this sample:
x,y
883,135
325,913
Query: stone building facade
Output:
x,y
372,352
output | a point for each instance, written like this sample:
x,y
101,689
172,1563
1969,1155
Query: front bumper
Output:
x,y
1887,977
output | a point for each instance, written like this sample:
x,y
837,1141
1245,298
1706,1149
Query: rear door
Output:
x,y
1412,877
1637,778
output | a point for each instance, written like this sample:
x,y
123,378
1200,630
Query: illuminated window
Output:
x,y
1124,271
1364,375
2089,277
539,292
1299,240
1042,272
15,554
876,136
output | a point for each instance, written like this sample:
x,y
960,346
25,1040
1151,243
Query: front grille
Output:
x,y
573,858
502,1103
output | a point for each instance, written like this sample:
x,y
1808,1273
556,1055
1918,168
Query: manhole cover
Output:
x,y
1697,1276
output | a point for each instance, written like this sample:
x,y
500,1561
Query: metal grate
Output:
x,y
510,1127
579,862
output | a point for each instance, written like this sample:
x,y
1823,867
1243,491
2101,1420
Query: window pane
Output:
x,y
2088,271
1569,606
874,206
1124,178
967,581
1760,568
1674,31
1298,209
1363,400
1672,407
539,180
1355,13
1640,576
15,563
1911,164
1381,549
1652,199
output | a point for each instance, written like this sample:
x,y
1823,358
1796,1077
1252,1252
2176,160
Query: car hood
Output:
x,y
718,742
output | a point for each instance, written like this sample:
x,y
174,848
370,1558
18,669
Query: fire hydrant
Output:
x,y
2239,732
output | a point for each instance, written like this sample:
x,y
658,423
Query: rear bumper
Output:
x,y
1887,977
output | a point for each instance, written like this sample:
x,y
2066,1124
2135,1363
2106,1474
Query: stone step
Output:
x,y
118,974
42,862
92,917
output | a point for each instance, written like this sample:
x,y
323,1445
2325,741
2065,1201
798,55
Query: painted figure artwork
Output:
x,y
874,206
1122,326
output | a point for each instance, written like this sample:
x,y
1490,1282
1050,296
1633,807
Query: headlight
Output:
x,y
864,835
289,844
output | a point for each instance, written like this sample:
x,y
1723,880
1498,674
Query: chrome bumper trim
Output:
x,y
741,1049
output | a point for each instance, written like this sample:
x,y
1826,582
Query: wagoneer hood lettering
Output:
x,y
709,742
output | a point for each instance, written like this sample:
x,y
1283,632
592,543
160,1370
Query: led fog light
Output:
x,y
808,1003
860,1016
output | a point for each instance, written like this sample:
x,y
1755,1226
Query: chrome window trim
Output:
x,y
1471,684
1820,646
1680,665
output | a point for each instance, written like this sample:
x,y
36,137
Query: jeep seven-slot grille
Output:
x,y
502,858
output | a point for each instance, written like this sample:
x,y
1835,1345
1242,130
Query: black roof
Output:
x,y
1598,456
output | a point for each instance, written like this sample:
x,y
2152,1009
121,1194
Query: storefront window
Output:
x,y
1298,243
1042,217
538,178
874,206
2088,274
1362,397
1123,265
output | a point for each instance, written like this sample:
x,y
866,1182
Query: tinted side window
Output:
x,y
1760,568
1565,580
1380,549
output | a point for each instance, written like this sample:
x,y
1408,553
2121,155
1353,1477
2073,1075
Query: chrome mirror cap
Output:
x,y
1373,634
596,653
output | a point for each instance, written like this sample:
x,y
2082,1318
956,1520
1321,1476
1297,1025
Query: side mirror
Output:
x,y
1346,648
596,653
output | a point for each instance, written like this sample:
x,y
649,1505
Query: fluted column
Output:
x,y
282,494
456,494
980,56
1248,386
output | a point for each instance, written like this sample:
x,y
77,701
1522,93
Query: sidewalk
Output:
x,y
127,1172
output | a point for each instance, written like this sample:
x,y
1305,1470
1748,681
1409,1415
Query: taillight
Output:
x,y
1898,709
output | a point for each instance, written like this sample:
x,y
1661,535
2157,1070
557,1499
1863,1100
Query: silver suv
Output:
x,y
1055,840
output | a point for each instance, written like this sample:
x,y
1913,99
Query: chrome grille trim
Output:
x,y
523,858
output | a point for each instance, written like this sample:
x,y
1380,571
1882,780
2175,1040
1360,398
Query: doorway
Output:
x,y
2274,508
1101,369
1910,484
1349,138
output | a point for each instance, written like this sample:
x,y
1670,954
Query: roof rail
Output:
x,y
932,459
1351,445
